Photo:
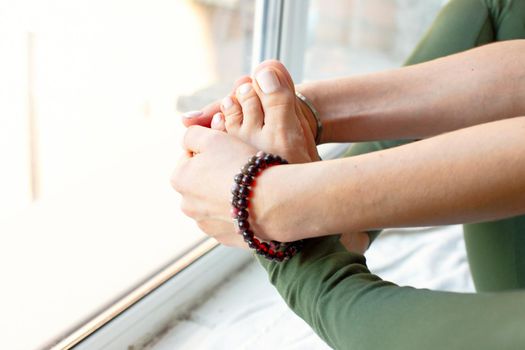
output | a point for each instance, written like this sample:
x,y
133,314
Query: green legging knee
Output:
x,y
462,25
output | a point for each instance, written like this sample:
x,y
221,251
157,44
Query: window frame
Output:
x,y
136,319
141,315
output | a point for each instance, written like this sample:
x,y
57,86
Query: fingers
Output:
x,y
222,231
177,180
202,117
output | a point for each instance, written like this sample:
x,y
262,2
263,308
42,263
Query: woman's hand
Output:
x,y
204,176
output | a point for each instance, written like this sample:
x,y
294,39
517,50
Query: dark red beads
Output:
x,y
237,179
246,180
243,225
242,203
252,170
241,189
242,214
243,192
248,235
275,245
268,159
235,189
260,163
264,247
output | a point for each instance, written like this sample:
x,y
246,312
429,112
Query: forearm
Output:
x,y
426,99
333,291
469,175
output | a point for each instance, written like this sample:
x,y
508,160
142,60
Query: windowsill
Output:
x,y
246,312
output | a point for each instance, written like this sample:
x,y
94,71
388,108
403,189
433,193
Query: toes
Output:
x,y
277,65
251,107
217,122
243,79
232,114
276,92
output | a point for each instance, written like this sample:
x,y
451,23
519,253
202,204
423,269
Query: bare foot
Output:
x,y
205,116
265,113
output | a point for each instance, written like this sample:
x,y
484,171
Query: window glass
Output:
x,y
358,36
90,101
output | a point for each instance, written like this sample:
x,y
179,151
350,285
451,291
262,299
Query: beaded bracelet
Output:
x,y
241,190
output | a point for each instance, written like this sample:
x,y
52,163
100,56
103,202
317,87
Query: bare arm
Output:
x,y
425,99
469,175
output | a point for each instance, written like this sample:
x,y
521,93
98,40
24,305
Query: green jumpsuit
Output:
x,y
347,306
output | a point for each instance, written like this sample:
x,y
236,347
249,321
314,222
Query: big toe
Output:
x,y
275,89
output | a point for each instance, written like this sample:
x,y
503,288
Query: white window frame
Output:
x,y
280,33
155,305
135,320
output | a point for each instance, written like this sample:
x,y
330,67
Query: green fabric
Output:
x,y
333,291
496,20
504,240
496,253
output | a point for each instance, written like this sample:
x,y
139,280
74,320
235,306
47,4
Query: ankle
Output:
x,y
308,113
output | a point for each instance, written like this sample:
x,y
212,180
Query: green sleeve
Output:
x,y
350,308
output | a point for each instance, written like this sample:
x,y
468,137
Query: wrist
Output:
x,y
244,182
284,203
266,201
273,204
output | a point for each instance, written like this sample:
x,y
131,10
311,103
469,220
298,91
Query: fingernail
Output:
x,y
227,102
268,81
192,114
216,121
244,88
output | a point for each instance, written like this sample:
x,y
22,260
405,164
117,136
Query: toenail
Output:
x,y
244,88
268,81
216,120
227,102
192,114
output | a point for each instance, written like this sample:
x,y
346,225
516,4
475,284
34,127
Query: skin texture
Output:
x,y
418,101
275,123
426,99
477,175
270,121
296,201
205,192
205,119
267,121
332,289
442,188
